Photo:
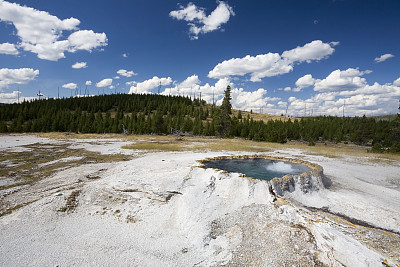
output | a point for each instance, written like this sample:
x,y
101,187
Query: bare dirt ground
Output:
x,y
143,201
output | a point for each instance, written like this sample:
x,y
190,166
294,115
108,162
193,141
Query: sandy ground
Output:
x,y
161,209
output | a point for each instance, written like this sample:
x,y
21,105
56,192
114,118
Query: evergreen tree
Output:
x,y
226,110
3,127
396,133
239,115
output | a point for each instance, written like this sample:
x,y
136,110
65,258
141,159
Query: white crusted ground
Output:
x,y
159,209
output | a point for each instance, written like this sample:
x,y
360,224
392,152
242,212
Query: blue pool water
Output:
x,y
259,168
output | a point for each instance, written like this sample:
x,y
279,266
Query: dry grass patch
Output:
x,y
71,203
170,143
261,116
66,135
234,145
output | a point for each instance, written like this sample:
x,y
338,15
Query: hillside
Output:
x,y
259,116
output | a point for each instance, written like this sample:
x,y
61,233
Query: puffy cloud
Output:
x,y
282,104
8,49
339,80
347,91
104,83
145,86
188,87
79,65
199,22
125,55
14,97
16,76
86,40
189,13
191,87
72,86
257,101
9,97
303,82
41,33
260,66
126,73
245,100
88,83
272,64
333,104
316,50
215,92
218,17
383,58
397,82
190,81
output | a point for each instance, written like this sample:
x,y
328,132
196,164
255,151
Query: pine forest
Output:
x,y
162,115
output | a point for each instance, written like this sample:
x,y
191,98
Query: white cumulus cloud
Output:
x,y
315,50
86,40
88,83
14,97
42,33
104,83
145,86
9,97
79,65
272,64
383,58
126,73
72,86
303,82
342,80
215,92
347,91
257,100
199,22
397,82
189,87
245,100
8,49
16,76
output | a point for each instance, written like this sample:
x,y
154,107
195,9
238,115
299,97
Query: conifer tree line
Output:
x,y
158,114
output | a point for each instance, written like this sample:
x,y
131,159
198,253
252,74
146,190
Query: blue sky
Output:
x,y
306,57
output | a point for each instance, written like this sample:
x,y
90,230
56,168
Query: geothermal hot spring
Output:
x,y
259,168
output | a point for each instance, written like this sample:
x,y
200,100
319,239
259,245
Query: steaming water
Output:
x,y
259,168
